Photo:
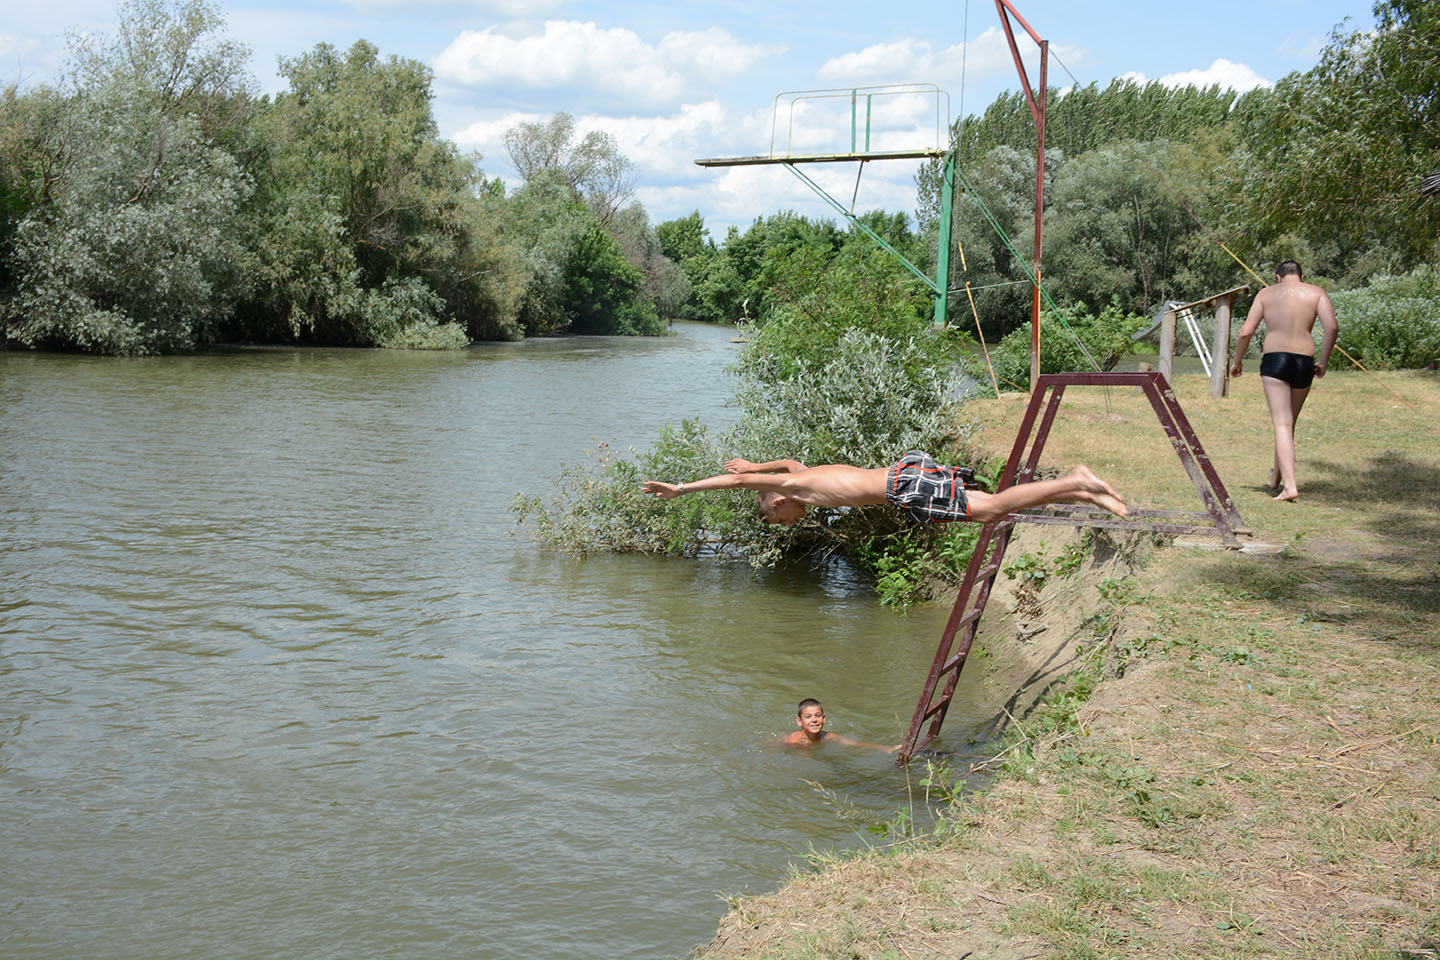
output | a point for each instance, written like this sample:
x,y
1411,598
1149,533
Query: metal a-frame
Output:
x,y
1220,519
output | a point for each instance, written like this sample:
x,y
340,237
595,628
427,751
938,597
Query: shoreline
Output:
x,y
1245,758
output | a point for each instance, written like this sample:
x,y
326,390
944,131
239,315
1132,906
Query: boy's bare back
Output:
x,y
837,485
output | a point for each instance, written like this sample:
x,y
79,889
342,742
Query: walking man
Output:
x,y
1289,309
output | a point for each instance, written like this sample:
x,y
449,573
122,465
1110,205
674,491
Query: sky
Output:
x,y
677,81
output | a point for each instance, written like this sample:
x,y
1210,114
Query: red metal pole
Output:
x,y
1037,113
1039,213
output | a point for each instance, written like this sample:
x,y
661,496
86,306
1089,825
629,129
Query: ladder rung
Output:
x,y
936,708
969,618
953,662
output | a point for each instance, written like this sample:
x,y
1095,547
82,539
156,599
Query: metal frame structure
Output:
x,y
1224,522
861,151
1037,113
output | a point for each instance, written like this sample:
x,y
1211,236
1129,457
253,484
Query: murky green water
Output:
x,y
276,680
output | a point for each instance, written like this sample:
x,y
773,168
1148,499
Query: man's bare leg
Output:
x,y
1077,486
1284,402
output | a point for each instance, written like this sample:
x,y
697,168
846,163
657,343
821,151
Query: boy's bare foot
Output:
x,y
1287,495
1272,481
1097,491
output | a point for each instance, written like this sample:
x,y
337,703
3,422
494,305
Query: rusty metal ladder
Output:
x,y
985,563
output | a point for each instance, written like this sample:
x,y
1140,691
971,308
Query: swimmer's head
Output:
x,y
810,718
776,508
1288,268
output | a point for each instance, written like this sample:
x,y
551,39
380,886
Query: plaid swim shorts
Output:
x,y
925,490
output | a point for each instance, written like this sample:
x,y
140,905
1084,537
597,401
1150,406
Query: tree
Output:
x,y
602,292
666,285
593,168
684,238
1336,154
1113,229
362,199
130,243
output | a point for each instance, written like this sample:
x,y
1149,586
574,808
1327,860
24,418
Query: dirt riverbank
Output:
x,y
1209,753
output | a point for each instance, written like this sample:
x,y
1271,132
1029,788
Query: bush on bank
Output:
x,y
1392,323
839,371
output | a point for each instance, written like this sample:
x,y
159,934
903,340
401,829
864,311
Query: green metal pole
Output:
x,y
859,225
942,255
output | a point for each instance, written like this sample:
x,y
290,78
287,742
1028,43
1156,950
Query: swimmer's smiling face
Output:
x,y
811,721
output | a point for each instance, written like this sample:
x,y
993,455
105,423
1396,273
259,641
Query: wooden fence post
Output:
x,y
1220,349
1167,346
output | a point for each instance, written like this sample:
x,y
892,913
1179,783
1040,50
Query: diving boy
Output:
x,y
925,490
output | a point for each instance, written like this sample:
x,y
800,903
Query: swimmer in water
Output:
x,y
810,718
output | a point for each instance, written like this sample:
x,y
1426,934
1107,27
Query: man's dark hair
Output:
x,y
807,702
1287,268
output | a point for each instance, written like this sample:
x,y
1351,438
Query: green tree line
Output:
x,y
151,203
1147,187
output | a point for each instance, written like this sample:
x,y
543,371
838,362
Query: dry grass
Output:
x,y
1258,771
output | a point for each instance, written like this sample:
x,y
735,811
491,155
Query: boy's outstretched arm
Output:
x,y
741,465
725,481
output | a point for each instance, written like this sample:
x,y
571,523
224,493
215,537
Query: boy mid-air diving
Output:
x,y
924,489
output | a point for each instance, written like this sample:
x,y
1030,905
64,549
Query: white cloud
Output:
x,y
595,67
670,184
663,148
1233,76
952,68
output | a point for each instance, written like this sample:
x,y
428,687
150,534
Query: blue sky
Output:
x,y
676,81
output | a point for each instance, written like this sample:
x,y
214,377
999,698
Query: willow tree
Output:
x,y
1336,155
368,222
130,244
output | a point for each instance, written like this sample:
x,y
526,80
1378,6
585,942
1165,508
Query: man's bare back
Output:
x,y
835,485
1289,310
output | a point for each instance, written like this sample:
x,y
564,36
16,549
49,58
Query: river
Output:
x,y
280,678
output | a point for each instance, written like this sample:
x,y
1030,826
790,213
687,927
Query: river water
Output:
x,y
279,678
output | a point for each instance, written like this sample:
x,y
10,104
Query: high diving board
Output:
x,y
921,154
861,102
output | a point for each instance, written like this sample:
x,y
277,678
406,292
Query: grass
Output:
x,y
1246,762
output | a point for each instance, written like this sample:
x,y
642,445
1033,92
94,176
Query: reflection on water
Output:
x,y
279,680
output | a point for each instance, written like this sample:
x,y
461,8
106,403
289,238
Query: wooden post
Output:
x,y
1220,349
1167,346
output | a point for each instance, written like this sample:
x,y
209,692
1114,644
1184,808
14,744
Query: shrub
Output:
x,y
1391,324
1106,336
845,372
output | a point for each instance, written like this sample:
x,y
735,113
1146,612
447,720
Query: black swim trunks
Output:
x,y
1295,369
927,491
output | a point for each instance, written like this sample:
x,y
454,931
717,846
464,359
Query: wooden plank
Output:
x,y
1167,346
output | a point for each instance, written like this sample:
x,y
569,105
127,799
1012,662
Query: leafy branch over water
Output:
x,y
842,369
